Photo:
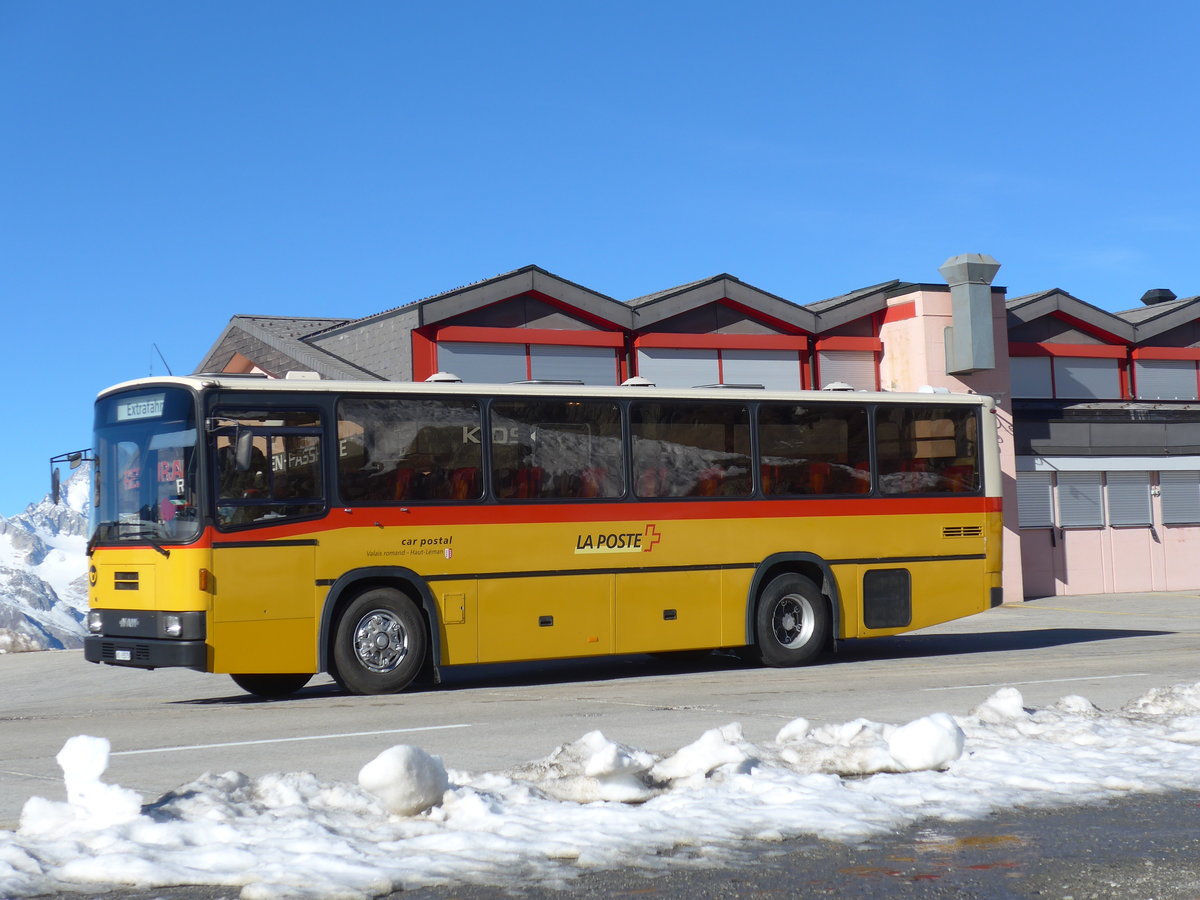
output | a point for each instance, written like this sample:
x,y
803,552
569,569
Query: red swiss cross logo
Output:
x,y
650,538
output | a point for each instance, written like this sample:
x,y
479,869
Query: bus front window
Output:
x,y
147,488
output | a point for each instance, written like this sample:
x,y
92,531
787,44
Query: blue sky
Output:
x,y
164,166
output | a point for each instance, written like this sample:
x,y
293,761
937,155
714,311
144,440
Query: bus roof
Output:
x,y
256,384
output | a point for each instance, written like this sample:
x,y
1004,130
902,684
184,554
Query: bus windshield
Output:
x,y
147,484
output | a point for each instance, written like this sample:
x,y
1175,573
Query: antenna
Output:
x,y
163,358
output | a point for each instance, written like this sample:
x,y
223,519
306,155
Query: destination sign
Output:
x,y
148,407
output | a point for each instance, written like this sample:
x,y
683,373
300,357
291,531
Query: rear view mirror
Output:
x,y
72,460
244,451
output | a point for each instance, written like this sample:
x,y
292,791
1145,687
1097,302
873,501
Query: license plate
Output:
x,y
124,655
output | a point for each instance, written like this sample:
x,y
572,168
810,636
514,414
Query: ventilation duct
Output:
x,y
970,345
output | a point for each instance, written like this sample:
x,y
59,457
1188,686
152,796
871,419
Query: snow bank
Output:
x,y
590,803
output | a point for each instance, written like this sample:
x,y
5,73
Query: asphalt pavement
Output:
x,y
1110,647
1143,847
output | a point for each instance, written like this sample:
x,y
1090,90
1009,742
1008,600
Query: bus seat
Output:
x,y
769,475
652,482
708,483
591,482
401,483
818,477
862,477
464,483
529,482
959,478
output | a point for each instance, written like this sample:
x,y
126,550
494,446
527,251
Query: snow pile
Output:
x,y
90,802
407,779
591,803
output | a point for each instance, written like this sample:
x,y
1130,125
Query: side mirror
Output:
x,y
245,447
73,460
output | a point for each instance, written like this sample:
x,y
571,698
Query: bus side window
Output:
x,y
268,465
556,449
689,449
818,449
409,449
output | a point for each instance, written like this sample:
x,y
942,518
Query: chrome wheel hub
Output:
x,y
380,641
793,621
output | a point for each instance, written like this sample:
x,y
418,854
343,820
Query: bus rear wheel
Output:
x,y
792,622
380,643
271,686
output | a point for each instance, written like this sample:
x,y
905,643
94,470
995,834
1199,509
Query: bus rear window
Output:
x,y
927,449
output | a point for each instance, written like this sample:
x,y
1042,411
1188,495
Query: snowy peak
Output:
x,y
43,571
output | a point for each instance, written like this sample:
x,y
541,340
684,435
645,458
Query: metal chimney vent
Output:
x,y
1158,295
970,343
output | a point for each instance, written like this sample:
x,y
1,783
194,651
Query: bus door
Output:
x,y
268,482
263,606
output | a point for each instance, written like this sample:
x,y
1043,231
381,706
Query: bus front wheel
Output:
x,y
792,622
380,643
271,686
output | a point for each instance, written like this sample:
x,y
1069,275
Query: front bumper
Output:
x,y
139,638
146,653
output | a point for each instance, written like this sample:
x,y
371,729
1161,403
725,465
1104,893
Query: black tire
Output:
x,y
271,686
380,643
791,622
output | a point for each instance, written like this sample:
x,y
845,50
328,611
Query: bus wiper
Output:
x,y
148,536
101,529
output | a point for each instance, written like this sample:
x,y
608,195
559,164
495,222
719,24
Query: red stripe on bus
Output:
x,y
549,513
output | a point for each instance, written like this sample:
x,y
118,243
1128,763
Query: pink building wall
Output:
x,y
1070,561
914,355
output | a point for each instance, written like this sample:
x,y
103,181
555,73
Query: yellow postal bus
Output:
x,y
273,529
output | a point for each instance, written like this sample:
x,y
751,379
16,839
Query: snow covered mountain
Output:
x,y
43,571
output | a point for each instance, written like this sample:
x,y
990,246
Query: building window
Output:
x,y
1077,378
853,367
1066,377
1180,497
1165,379
497,363
591,365
1079,500
1128,498
487,363
776,370
680,367
1035,500
1083,496
1032,377
672,367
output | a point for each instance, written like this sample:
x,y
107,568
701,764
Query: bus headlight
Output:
x,y
172,626
95,622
